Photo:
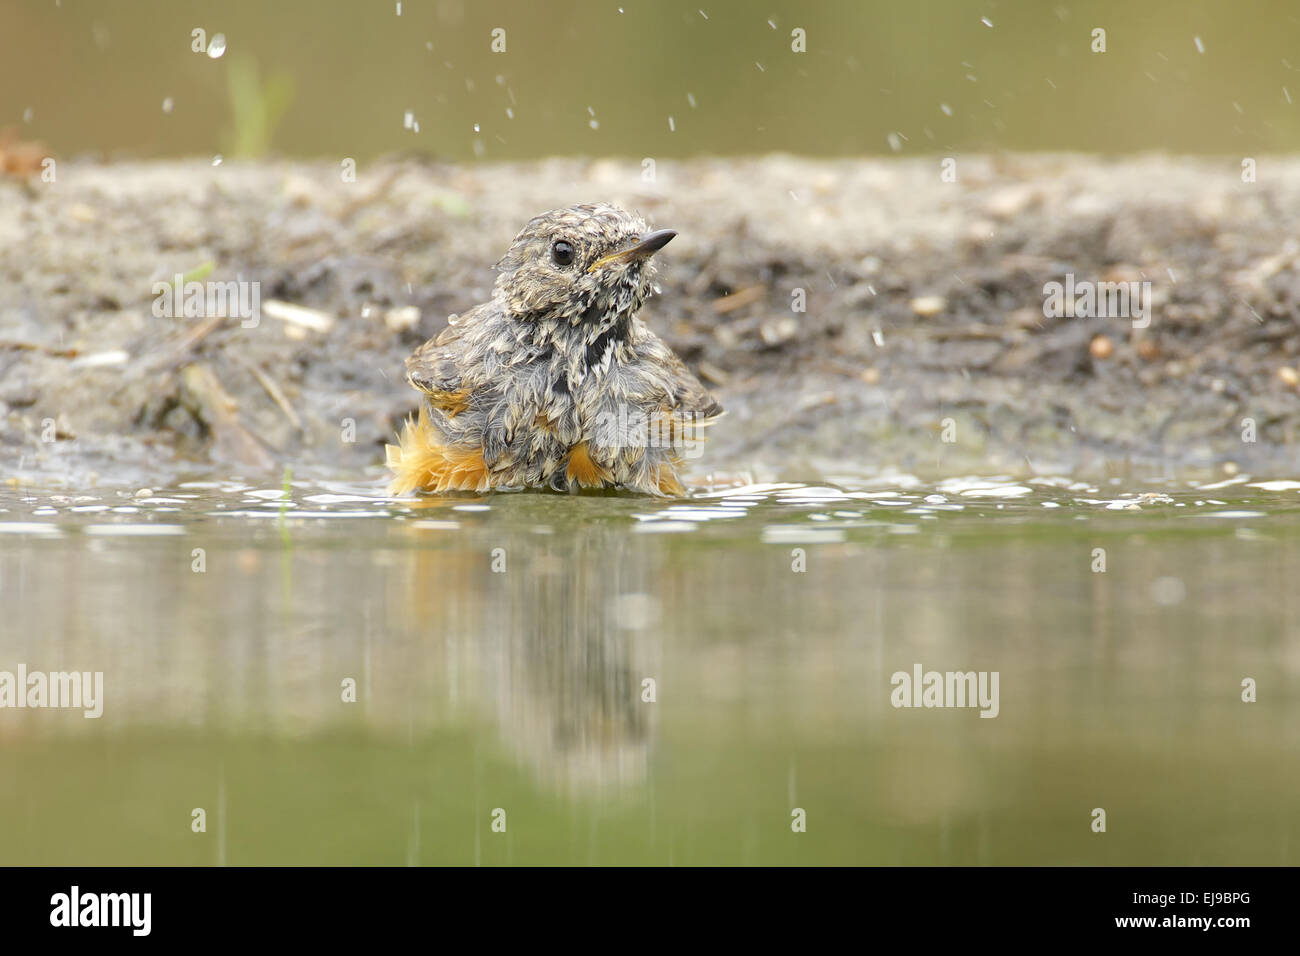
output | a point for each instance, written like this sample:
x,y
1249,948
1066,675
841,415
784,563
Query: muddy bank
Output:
x,y
923,346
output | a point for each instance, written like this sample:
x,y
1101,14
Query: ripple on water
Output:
x,y
664,527
126,529
774,511
758,491
331,499
298,513
801,534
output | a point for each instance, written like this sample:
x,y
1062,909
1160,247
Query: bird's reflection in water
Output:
x,y
553,634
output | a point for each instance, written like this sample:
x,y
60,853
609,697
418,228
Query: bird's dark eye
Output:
x,y
562,252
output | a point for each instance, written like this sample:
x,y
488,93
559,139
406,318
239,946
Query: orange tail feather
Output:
x,y
421,462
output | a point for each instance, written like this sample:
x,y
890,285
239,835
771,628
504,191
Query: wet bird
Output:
x,y
555,382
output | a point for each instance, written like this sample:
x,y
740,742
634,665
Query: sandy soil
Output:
x,y
924,312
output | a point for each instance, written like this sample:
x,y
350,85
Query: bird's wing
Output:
x,y
674,384
689,395
435,367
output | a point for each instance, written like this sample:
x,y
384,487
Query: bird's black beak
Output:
x,y
645,247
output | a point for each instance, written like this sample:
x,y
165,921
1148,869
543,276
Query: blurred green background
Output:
x,y
629,77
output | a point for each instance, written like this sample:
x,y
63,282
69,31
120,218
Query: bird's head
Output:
x,y
584,264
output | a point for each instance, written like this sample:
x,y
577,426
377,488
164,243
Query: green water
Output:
x,y
520,688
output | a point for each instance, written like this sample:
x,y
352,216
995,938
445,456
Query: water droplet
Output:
x,y
1200,47
476,129
987,22
408,120
594,124
690,98
895,144
510,114
399,9
216,160
946,109
672,125
169,104
217,46
27,115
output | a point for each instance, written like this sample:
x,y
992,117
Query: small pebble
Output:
x,y
927,306
1101,347
778,331
401,319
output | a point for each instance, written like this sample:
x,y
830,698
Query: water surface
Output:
x,y
500,648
